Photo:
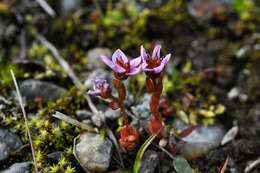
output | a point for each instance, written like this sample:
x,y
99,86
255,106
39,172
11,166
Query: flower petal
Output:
x,y
119,54
156,51
134,71
166,59
107,61
159,69
143,53
144,65
135,62
118,69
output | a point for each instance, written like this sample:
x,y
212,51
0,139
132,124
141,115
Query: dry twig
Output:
x,y
46,7
72,121
252,165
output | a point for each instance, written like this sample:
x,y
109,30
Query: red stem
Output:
x,y
121,97
156,94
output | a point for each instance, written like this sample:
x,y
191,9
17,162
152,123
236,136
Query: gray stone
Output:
x,y
83,114
30,65
55,155
204,9
143,108
249,82
31,89
4,151
200,141
97,119
70,5
94,61
150,162
8,142
112,114
93,152
24,167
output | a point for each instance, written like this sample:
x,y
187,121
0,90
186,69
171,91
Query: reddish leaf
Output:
x,y
164,105
173,149
187,131
155,126
114,105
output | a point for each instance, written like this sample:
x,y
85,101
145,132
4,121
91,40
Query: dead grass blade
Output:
x,y
25,119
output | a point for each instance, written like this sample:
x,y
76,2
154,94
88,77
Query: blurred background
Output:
x,y
213,77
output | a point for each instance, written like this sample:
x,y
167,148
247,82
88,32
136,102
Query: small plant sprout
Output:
x,y
153,65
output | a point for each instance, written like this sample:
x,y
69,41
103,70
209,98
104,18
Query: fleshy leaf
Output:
x,y
181,165
114,105
187,131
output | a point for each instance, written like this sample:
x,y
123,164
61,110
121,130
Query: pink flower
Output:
x,y
154,64
100,88
120,64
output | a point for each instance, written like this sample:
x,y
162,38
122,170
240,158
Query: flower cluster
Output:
x,y
153,66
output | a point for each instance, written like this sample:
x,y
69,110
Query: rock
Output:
x,y
97,120
150,162
250,127
112,114
30,65
24,167
55,156
143,108
93,152
230,135
205,9
240,149
70,5
31,89
94,61
8,142
4,106
249,82
83,114
201,141
233,93
4,151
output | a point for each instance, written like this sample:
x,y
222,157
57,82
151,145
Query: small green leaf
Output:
x,y
141,151
181,165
